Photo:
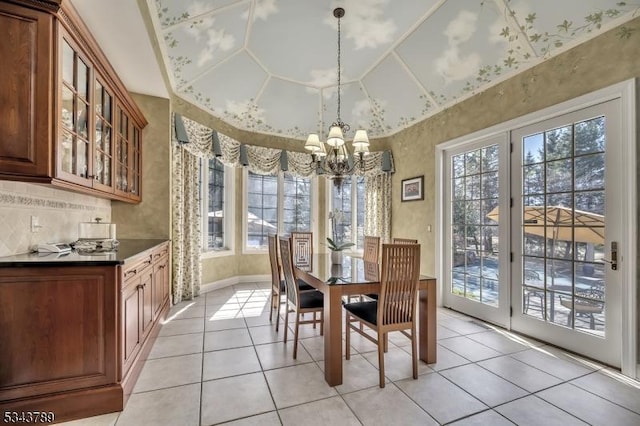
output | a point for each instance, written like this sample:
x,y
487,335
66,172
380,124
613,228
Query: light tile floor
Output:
x,y
218,359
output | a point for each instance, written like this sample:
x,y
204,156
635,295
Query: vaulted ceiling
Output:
x,y
270,66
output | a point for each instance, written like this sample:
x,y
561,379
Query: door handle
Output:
x,y
614,256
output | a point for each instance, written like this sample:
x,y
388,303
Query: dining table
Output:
x,y
352,277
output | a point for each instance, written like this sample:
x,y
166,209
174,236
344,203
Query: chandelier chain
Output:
x,y
339,54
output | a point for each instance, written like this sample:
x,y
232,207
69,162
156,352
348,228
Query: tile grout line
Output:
x,y
264,376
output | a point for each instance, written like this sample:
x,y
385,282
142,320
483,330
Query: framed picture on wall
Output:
x,y
412,189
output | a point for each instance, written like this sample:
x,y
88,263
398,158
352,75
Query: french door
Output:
x,y
566,221
533,220
477,255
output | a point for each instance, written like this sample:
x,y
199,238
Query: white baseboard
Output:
x,y
227,282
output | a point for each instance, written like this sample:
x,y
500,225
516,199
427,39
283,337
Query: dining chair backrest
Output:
x,y
404,241
399,283
371,249
273,259
286,256
302,248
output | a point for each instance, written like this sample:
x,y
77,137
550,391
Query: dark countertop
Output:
x,y
126,250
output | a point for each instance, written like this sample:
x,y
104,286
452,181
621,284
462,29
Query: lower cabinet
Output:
x,y
144,300
73,339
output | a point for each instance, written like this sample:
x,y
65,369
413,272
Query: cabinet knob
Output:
x,y
139,286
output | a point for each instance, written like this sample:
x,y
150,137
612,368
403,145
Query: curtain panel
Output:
x,y
186,234
377,202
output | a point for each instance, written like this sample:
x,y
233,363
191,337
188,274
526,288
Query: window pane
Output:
x,y
262,209
215,210
347,200
297,204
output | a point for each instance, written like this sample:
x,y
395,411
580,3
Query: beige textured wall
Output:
x,y
598,63
151,218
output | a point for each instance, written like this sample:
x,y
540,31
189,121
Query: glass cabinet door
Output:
x,y
135,163
99,138
74,143
103,148
122,152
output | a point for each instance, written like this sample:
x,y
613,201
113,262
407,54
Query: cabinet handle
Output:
x,y
162,266
132,272
139,286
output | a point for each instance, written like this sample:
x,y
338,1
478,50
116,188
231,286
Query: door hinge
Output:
x,y
511,257
510,311
511,202
511,147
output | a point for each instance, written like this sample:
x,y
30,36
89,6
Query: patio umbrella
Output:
x,y
560,223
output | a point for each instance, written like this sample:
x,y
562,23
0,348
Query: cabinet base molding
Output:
x,y
73,404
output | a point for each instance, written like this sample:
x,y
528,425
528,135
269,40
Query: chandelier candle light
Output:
x,y
337,162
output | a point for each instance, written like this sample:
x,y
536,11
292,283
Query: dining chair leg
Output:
x,y
386,342
286,322
381,358
347,350
322,323
414,351
314,320
278,306
295,336
271,300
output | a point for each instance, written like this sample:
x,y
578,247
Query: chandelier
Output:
x,y
336,161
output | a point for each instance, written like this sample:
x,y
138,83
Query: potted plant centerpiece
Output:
x,y
335,244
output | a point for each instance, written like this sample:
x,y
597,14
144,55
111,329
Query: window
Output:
x,y
297,204
262,209
349,198
268,195
214,187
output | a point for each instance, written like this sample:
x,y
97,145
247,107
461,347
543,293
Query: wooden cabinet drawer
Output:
x,y
162,250
136,267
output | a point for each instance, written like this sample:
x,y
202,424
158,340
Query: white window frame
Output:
x,y
280,205
229,211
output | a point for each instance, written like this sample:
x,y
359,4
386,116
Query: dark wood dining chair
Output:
x,y
298,302
395,309
277,284
404,241
302,246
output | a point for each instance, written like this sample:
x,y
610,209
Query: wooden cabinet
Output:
x,y
145,297
59,334
160,280
26,126
65,117
131,338
73,339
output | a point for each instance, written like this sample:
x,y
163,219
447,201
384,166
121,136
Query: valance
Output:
x,y
206,143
